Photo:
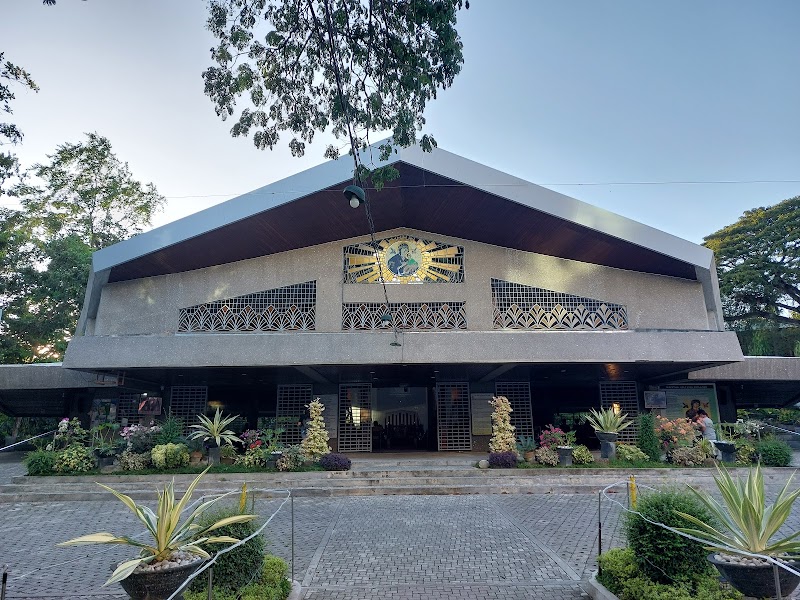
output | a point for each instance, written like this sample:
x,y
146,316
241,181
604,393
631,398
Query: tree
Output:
x,y
10,134
758,261
352,66
86,191
315,444
82,200
503,438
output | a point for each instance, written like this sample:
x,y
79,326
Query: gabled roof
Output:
x,y
437,192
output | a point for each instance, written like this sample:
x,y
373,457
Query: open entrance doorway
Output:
x,y
402,419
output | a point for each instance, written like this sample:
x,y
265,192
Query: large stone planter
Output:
x,y
158,585
757,580
608,446
565,456
728,450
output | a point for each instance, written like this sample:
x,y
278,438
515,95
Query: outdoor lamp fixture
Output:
x,y
616,407
355,195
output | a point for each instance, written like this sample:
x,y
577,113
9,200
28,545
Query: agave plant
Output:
x,y
607,421
168,533
746,522
214,429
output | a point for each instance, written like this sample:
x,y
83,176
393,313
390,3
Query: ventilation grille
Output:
x,y
419,316
452,414
625,394
519,395
186,402
290,308
518,306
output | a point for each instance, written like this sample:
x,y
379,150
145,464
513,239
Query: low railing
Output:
x,y
28,440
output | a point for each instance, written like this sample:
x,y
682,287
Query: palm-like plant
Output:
x,y
168,533
215,429
606,420
746,522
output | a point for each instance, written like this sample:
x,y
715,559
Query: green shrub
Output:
x,y
664,556
170,456
648,440
615,567
746,453
170,432
75,458
291,459
546,456
693,456
582,456
774,452
130,461
237,568
630,453
40,462
270,585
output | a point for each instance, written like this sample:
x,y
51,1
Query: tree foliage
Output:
x,y
83,199
10,75
352,66
758,261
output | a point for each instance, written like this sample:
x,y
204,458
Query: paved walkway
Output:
x,y
347,548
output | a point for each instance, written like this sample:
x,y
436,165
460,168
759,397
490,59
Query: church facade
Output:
x,y
471,283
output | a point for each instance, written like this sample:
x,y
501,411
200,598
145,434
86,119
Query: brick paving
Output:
x,y
473,547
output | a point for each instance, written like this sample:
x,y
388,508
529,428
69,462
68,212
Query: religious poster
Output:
x,y
681,398
150,405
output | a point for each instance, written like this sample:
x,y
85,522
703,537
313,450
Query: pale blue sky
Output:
x,y
553,92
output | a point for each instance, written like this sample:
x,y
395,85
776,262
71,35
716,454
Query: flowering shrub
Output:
x,y
68,432
315,444
687,456
291,459
678,433
130,461
140,438
335,462
745,453
257,455
552,437
582,456
267,437
546,456
503,460
74,459
170,456
503,439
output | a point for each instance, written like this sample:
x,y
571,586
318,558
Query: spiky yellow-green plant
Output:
x,y
315,444
168,533
607,421
214,429
503,439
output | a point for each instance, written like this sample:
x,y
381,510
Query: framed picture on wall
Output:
x,y
655,399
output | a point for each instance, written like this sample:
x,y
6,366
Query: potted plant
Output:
x,y
526,445
607,424
227,454
747,524
564,442
725,443
174,552
195,451
213,432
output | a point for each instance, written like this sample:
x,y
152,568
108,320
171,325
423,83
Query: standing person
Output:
x,y
706,426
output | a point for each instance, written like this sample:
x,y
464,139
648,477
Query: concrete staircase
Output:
x,y
371,476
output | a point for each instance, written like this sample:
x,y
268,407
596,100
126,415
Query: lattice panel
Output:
x,y
420,316
519,395
128,408
355,417
290,308
518,306
292,402
452,414
404,259
186,402
624,393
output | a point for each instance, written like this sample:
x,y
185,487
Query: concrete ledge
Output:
x,y
598,591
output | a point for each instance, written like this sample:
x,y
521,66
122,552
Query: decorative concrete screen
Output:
x,y
292,402
290,308
452,415
403,259
355,417
518,306
186,402
622,396
519,395
420,316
